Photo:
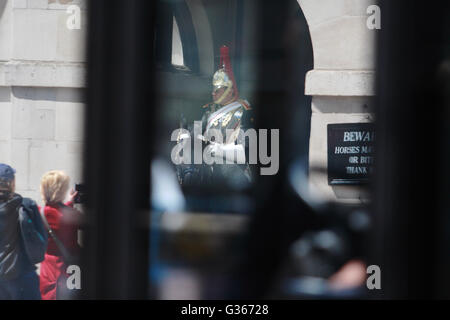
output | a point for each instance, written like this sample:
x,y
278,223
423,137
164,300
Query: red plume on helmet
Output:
x,y
226,64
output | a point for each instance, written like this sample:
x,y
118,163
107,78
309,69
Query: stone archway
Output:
x,y
342,81
204,36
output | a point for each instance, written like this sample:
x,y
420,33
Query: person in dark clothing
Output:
x,y
18,277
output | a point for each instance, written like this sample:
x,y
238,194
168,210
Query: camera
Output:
x,y
81,196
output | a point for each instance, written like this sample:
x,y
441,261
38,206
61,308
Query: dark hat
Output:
x,y
6,172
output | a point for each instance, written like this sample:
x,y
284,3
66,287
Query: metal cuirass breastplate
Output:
x,y
227,120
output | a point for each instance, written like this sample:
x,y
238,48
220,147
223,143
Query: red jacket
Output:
x,y
64,220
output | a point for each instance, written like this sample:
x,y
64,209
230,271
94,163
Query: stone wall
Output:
x,y
342,82
41,90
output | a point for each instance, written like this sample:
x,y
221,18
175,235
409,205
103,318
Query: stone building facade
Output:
x,y
342,83
41,90
42,76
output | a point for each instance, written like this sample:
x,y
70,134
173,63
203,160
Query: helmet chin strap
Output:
x,y
224,95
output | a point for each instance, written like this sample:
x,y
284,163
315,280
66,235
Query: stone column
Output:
x,y
342,81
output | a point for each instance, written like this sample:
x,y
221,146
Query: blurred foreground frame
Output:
x,y
411,202
120,124
119,118
410,207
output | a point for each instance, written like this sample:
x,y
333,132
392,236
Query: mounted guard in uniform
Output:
x,y
222,117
